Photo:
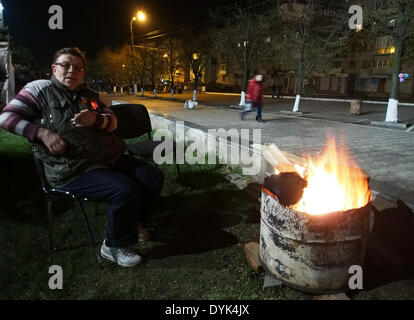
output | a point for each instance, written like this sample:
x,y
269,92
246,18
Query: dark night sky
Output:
x,y
93,24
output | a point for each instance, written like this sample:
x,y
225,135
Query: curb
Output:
x,y
319,99
390,124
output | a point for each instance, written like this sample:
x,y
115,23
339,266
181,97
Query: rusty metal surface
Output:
x,y
312,253
335,226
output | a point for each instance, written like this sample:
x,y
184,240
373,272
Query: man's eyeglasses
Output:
x,y
67,66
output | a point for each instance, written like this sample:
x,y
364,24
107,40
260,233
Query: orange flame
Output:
x,y
335,183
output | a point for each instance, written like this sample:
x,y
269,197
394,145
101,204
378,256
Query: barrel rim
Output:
x,y
309,216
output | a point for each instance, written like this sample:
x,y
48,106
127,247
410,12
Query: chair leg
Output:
x,y
52,246
89,231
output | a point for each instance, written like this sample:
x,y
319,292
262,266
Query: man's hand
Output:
x,y
85,118
54,143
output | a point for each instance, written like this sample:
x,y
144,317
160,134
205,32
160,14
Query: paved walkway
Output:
x,y
386,155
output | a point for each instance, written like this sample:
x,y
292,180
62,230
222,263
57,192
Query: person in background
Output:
x,y
279,90
255,97
273,91
72,132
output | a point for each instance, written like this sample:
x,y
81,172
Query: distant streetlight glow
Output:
x,y
195,56
165,55
392,50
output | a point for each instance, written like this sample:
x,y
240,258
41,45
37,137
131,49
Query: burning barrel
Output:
x,y
310,245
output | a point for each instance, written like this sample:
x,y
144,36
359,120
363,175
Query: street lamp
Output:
x,y
141,16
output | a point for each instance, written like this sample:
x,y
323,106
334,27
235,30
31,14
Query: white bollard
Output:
x,y
296,106
242,99
392,111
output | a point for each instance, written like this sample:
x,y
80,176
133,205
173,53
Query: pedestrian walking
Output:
x,y
279,91
273,91
254,97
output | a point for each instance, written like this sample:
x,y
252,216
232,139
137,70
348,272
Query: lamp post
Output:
x,y
140,17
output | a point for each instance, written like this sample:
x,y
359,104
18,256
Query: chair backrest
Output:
x,y
133,120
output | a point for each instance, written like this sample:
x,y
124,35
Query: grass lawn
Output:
x,y
200,226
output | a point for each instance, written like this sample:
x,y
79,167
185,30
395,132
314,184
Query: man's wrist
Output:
x,y
40,133
99,120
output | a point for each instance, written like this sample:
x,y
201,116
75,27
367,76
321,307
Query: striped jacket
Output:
x,y
49,104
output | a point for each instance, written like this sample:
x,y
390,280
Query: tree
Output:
x,y
196,53
26,68
242,33
140,64
171,47
113,65
394,18
310,38
154,64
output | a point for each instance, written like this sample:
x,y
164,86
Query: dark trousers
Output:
x,y
258,107
131,187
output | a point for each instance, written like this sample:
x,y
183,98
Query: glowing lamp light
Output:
x,y
401,80
401,75
405,75
141,16
392,50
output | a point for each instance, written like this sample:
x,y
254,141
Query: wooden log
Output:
x,y
278,160
251,250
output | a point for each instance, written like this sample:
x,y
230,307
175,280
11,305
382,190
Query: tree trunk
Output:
x,y
195,88
299,85
392,108
172,85
244,80
142,85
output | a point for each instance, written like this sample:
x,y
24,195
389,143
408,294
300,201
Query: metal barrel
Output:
x,y
312,253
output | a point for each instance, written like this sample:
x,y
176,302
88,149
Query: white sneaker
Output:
x,y
122,256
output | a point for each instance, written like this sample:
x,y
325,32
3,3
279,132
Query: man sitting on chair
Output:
x,y
72,133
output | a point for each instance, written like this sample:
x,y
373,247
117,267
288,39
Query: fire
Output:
x,y
335,183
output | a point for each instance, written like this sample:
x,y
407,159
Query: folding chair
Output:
x,y
133,122
54,194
